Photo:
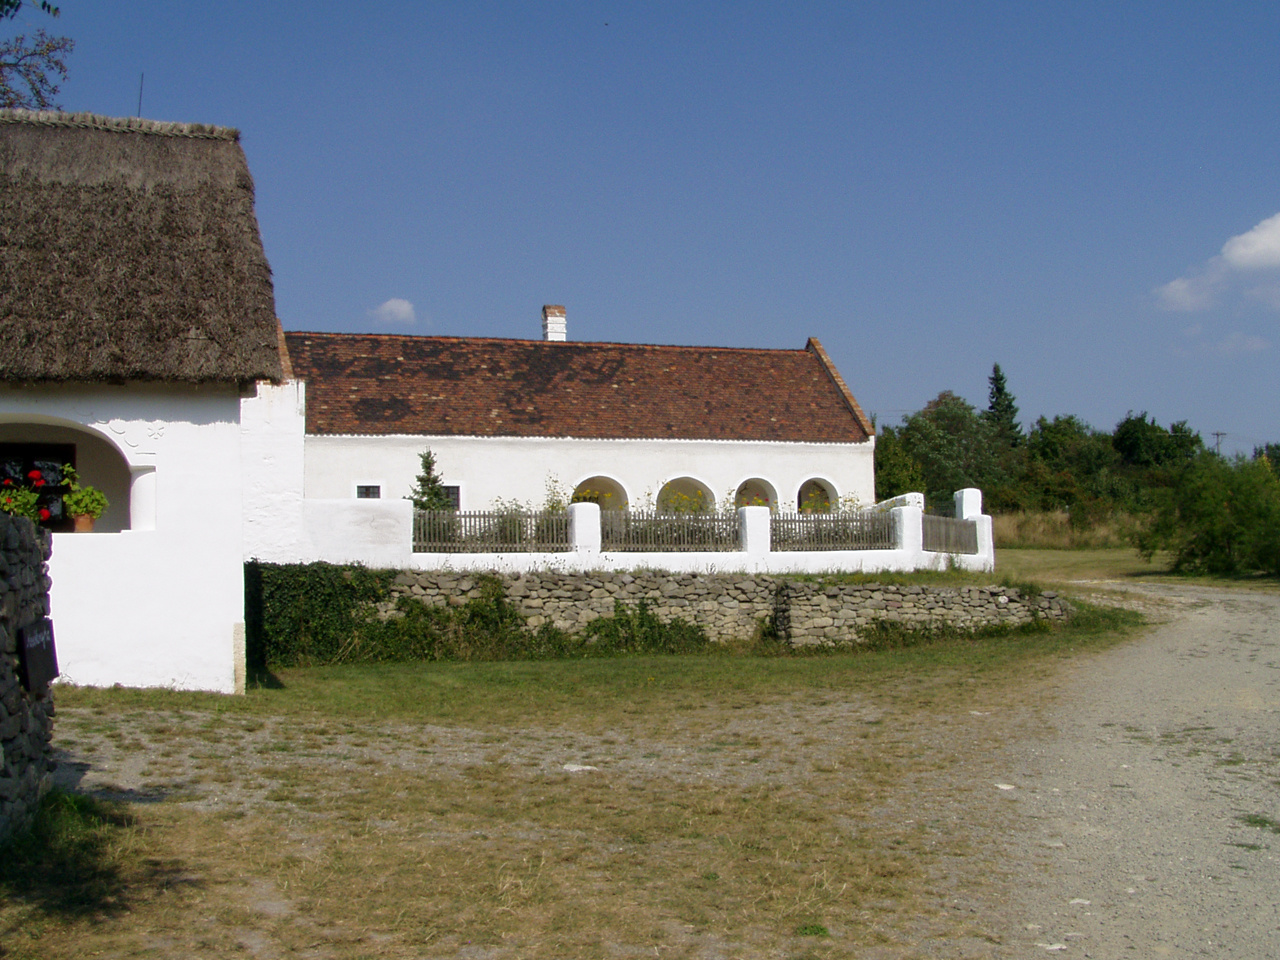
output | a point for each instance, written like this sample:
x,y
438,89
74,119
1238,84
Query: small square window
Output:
x,y
454,499
368,491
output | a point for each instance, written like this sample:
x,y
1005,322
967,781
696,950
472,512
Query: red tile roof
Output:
x,y
468,386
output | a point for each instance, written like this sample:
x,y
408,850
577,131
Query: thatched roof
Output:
x,y
468,386
129,250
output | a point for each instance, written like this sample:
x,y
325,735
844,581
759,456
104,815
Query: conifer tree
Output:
x,y
1002,412
429,493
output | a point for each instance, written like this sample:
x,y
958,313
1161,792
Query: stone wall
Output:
x,y
732,607
26,721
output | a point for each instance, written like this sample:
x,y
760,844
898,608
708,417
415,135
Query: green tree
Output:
x,y
1271,454
1141,442
897,472
31,70
429,492
1217,516
953,445
1002,411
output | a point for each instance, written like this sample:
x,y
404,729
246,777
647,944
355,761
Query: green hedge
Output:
x,y
319,613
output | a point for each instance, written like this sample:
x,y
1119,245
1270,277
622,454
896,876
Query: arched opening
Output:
x,y
756,493
25,446
816,496
606,492
685,495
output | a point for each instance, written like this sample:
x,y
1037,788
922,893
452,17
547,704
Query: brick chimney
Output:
x,y
553,323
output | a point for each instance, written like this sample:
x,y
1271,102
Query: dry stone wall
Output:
x,y
733,607
26,719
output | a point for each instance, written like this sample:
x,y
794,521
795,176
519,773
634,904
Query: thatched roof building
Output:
x,y
129,250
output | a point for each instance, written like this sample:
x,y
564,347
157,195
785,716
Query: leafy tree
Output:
x,y
1002,411
1218,516
953,445
896,471
429,493
1270,453
32,69
1141,442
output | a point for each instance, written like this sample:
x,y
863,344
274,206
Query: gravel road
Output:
x,y
1148,821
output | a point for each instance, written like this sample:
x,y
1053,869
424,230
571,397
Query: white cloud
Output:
x,y
395,310
1196,292
1258,249
1253,250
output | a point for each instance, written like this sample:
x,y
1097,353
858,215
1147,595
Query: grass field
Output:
x,y
711,805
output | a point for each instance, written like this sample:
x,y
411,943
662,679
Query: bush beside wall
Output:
x,y
26,721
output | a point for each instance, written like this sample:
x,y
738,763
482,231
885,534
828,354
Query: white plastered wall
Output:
x,y
489,469
160,603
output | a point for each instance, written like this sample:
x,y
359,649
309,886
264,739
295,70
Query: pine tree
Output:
x,y
1002,412
429,493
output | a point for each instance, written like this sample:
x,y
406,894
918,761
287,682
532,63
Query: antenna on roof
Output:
x,y
141,77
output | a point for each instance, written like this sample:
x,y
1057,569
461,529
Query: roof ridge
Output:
x,y
558,344
92,121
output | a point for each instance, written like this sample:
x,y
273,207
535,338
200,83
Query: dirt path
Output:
x,y
1149,820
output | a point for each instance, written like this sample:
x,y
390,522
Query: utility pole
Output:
x,y
1217,441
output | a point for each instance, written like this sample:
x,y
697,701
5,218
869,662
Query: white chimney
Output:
x,y
553,323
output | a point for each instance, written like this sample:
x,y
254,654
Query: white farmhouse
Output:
x,y
626,425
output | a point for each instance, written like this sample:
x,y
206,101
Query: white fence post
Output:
x,y
754,523
584,527
908,529
968,503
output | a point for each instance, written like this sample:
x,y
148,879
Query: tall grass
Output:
x,y
1054,530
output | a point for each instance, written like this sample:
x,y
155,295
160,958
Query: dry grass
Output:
x,y
736,806
1052,530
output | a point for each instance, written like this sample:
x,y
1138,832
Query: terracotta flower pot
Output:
x,y
83,523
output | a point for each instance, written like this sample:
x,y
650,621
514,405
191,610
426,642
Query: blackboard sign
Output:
x,y
37,658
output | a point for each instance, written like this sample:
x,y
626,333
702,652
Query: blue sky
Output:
x,y
1082,192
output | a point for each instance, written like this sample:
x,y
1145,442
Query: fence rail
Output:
x,y
949,535
502,531
648,531
817,531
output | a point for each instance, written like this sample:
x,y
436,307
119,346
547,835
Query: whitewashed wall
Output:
x,y
161,601
488,469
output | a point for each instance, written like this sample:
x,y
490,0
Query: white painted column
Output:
x,y
968,503
584,527
756,535
142,498
908,530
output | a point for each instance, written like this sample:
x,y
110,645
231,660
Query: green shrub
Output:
x,y
1218,516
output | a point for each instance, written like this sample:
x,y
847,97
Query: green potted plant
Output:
x,y
83,504
21,501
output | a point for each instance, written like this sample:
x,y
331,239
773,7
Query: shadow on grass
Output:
x,y
80,858
262,678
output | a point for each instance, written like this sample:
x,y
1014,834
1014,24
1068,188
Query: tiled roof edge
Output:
x,y
816,348
558,344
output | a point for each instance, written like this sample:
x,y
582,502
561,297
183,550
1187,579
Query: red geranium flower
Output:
x,y
44,514
37,483
8,482
34,475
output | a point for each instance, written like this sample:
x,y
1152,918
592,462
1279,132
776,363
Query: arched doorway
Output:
x,y
756,493
685,495
816,496
46,447
605,491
